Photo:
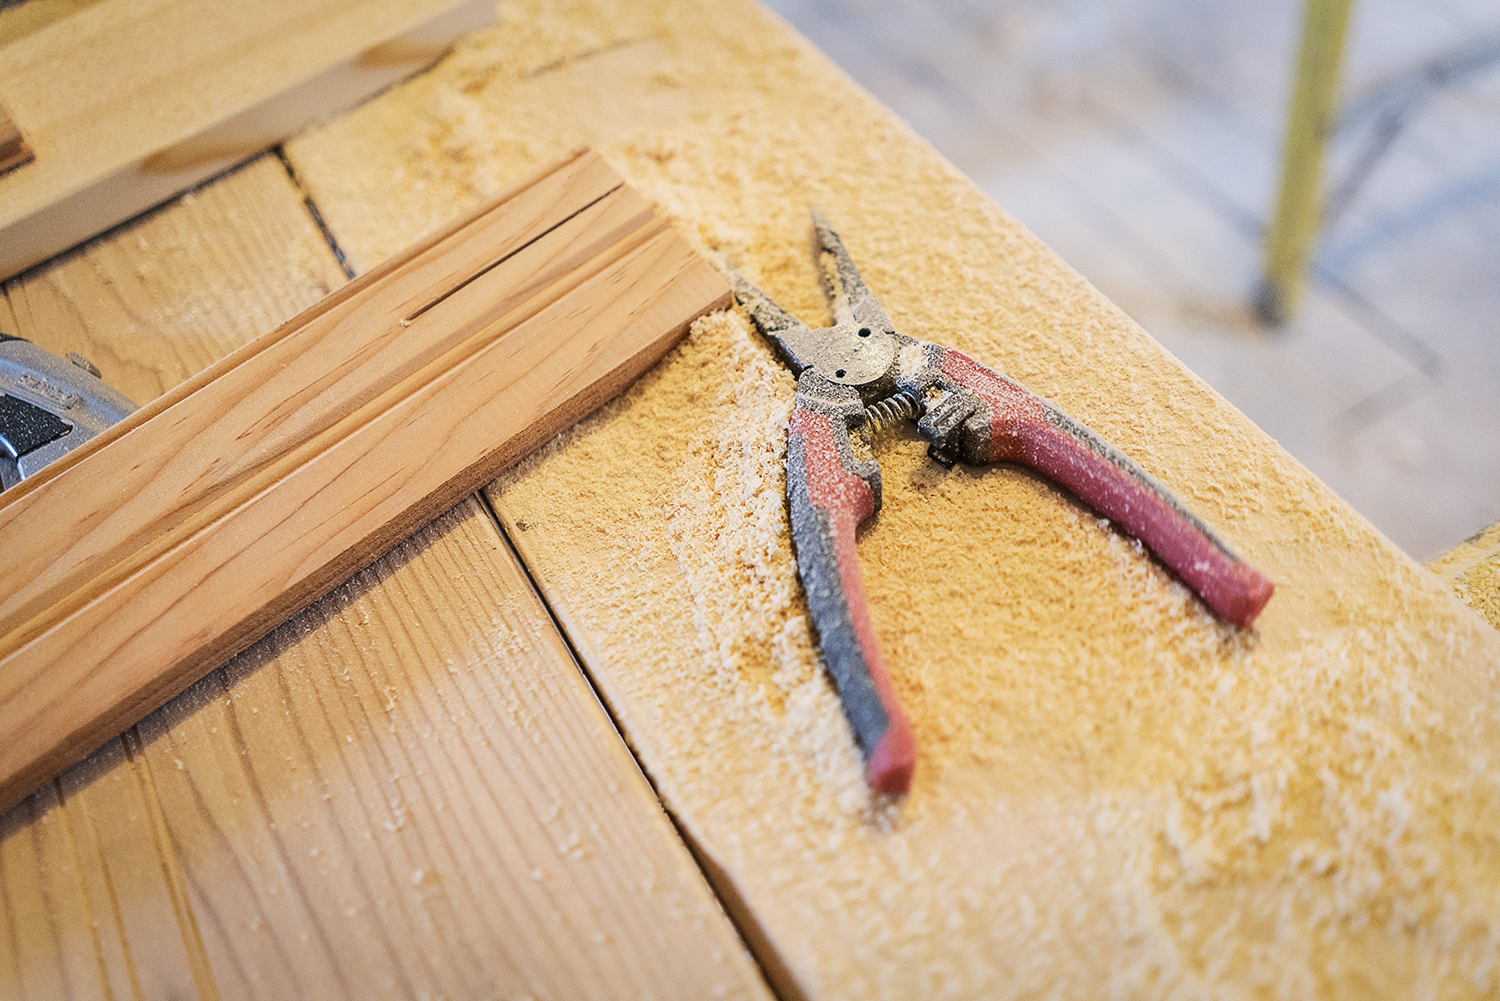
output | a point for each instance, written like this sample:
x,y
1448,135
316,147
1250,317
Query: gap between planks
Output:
x,y
317,447
285,663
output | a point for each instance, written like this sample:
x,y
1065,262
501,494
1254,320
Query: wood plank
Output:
x,y
133,896
22,19
1119,795
51,946
242,825
95,898
380,801
373,801
193,281
375,439
324,347
192,88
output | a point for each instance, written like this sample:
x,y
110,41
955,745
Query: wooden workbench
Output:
x,y
411,789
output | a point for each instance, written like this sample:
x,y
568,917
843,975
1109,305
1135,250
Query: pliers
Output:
x,y
859,376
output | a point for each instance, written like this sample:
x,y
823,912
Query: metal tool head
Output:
x,y
48,407
849,297
858,350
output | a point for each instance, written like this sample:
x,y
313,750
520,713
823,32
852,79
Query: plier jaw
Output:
x,y
861,347
859,375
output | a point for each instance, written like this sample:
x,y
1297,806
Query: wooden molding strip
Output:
x,y
199,523
185,90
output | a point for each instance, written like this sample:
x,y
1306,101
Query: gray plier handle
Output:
x,y
829,492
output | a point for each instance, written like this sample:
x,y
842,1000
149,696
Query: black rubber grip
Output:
x,y
25,427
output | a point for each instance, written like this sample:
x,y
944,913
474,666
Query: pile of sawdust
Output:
x,y
1115,792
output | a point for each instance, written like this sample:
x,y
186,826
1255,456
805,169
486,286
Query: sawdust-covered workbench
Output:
x,y
408,791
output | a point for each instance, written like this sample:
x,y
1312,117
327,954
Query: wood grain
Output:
x,y
129,103
239,843
210,516
374,801
180,287
484,831
1117,794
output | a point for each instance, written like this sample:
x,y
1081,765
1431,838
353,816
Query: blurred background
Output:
x,y
1142,140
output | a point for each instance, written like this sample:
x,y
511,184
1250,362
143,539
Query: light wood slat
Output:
x,y
128,102
179,288
209,573
333,361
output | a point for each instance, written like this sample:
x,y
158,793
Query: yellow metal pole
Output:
x,y
1299,205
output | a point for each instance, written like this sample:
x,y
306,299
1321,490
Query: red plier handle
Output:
x,y
1002,421
830,490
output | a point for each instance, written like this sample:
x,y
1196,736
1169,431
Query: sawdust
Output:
x,y
1116,792
1472,571
1480,589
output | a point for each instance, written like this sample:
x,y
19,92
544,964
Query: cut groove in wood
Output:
x,y
199,523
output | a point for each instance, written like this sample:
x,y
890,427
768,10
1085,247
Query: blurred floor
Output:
x,y
1141,139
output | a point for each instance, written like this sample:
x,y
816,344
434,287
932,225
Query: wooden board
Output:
x,y
206,518
128,103
1116,794
408,790
373,802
